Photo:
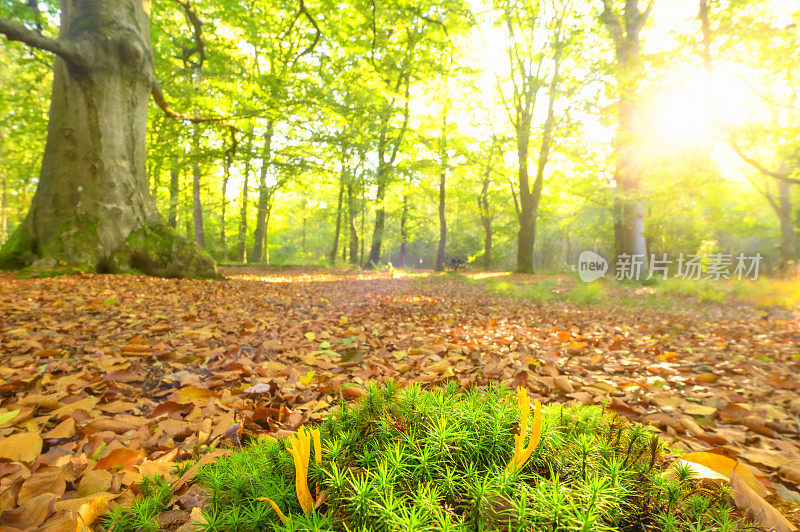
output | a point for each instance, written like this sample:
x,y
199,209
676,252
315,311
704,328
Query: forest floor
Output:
x,y
108,378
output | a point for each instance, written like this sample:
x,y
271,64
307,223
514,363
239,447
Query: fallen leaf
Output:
x,y
65,429
724,465
23,447
48,480
122,458
763,512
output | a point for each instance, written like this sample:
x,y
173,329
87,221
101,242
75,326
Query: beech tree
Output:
x,y
624,25
92,208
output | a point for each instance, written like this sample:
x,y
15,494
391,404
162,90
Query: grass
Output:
x,y
412,459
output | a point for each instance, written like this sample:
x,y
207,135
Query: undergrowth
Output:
x,y
412,459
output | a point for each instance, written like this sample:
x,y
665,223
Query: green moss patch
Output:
x,y
411,459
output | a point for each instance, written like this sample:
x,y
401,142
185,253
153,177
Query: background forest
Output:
x,y
414,131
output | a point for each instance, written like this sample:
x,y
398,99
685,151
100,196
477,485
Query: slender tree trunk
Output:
x,y
525,235
197,206
263,196
335,247
363,219
305,221
403,233
188,218
3,211
486,219
266,230
788,250
442,223
629,208
380,222
93,206
544,152
174,196
240,255
351,223
387,154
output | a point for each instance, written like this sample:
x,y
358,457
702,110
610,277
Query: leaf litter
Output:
x,y
106,379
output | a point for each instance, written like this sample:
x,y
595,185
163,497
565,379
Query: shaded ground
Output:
x,y
118,376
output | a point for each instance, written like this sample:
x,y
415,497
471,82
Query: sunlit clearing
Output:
x,y
484,275
684,114
318,277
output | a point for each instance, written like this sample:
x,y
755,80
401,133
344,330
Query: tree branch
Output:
x,y
757,165
317,34
197,29
158,97
64,49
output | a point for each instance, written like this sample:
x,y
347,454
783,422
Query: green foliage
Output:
x,y
141,515
412,459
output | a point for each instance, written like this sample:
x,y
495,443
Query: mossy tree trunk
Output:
x,y
92,208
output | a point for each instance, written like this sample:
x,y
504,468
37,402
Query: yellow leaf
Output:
x,y
23,447
5,417
725,465
307,378
90,511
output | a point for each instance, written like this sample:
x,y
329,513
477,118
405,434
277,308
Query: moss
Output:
x,y
411,459
18,250
161,252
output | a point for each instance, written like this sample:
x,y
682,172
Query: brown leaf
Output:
x,y
47,480
762,511
122,458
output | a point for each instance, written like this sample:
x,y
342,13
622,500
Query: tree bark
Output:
x,y
352,212
788,246
337,230
174,197
442,192
197,207
486,218
3,212
230,153
241,251
92,208
385,164
263,196
403,234
629,207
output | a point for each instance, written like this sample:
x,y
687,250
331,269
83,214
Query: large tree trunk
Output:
x,y
92,208
263,197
